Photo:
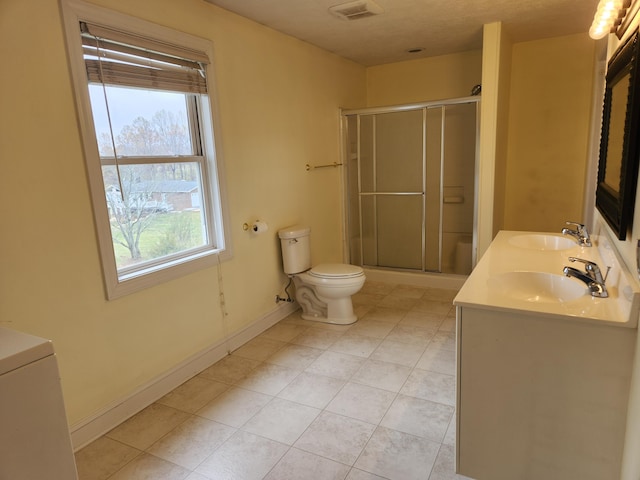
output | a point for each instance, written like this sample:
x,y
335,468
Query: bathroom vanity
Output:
x,y
543,367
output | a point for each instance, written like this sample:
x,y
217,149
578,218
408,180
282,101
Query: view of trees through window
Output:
x,y
155,205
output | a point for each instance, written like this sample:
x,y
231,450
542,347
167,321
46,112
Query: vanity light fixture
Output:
x,y
608,15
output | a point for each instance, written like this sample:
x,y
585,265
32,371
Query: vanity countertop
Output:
x,y
498,280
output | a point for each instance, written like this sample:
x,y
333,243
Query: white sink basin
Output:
x,y
536,241
537,287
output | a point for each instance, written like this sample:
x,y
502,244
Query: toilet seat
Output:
x,y
336,270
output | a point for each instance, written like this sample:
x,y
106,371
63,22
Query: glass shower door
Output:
x,y
391,189
411,187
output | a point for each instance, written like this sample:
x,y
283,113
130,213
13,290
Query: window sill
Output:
x,y
125,284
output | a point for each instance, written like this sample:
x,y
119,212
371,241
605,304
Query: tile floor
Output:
x,y
309,401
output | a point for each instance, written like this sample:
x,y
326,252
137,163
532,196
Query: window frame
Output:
x,y
148,274
194,107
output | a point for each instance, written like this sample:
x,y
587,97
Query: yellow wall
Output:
x,y
502,129
279,105
435,78
550,107
496,75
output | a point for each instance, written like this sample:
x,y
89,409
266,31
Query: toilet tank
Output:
x,y
296,253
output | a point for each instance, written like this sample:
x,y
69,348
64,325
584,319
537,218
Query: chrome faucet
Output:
x,y
592,276
580,234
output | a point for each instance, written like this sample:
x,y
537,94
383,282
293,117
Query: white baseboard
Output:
x,y
89,429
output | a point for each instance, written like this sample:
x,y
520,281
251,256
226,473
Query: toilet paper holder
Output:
x,y
255,227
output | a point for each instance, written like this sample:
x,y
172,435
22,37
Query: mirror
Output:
x,y
618,164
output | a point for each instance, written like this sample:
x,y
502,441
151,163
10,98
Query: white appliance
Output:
x,y
34,434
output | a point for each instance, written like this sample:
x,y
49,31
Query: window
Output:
x,y
145,107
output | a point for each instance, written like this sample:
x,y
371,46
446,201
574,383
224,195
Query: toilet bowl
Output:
x,y
324,291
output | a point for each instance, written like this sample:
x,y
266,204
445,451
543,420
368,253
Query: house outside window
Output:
x,y
147,115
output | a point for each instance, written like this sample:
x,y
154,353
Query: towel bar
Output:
x,y
312,167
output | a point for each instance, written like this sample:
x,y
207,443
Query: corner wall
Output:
x,y
496,74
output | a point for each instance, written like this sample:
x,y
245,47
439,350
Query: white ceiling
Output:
x,y
439,26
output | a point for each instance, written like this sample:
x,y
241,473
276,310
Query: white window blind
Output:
x,y
114,57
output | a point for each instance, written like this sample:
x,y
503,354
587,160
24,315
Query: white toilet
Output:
x,y
324,291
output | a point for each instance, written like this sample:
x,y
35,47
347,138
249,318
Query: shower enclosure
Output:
x,y
411,173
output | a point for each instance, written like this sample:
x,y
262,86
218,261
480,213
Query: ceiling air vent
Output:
x,y
356,10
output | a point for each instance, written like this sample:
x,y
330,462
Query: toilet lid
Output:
x,y
335,270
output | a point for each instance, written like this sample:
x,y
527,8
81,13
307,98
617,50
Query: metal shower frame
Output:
x,y
423,106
